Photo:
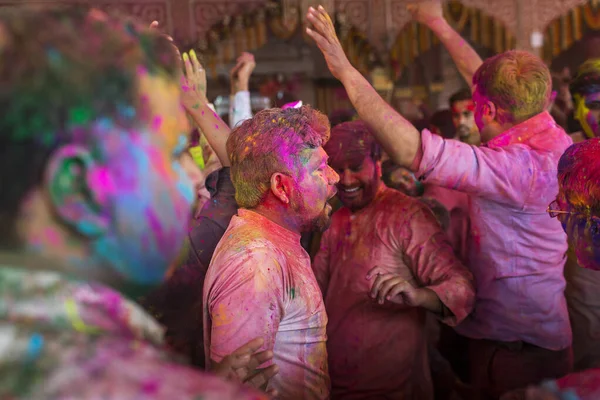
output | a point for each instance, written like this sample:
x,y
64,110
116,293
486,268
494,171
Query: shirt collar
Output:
x,y
523,132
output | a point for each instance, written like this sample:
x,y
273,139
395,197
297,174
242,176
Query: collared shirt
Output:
x,y
66,339
260,284
517,252
381,351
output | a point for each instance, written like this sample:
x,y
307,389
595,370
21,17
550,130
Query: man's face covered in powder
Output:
x,y
360,177
149,193
588,112
314,187
463,118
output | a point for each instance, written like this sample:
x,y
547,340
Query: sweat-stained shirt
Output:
x,y
67,339
516,251
260,284
380,352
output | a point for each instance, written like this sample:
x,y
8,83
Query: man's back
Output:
x,y
260,283
68,339
517,252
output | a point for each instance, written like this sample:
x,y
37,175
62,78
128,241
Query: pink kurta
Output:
x,y
380,352
516,251
457,204
260,284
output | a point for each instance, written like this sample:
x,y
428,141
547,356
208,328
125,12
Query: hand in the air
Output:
x,y
323,33
427,11
241,366
393,288
240,74
193,83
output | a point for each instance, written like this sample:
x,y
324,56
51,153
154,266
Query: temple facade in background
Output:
x,y
402,58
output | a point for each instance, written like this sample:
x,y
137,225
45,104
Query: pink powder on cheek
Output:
x,y
156,123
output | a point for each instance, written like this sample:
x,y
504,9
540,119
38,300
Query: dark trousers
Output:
x,y
499,367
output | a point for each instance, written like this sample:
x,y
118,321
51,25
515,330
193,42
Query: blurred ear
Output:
x,y
77,189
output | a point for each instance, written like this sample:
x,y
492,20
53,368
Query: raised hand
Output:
x,y
426,12
242,364
193,83
323,33
240,74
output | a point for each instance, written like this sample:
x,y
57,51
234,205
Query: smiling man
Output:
x,y
380,350
260,281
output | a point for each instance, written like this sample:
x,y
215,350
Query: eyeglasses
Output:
x,y
553,210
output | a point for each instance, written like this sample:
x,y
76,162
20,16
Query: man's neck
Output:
x,y
280,216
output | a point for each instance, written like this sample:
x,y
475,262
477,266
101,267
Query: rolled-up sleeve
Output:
x,y
503,174
434,264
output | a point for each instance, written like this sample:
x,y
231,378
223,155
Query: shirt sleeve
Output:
x,y
240,108
244,302
321,262
504,175
433,262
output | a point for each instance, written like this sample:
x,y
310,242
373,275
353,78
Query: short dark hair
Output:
x,y
62,70
461,95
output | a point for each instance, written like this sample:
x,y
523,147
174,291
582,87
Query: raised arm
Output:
x,y
430,14
400,139
193,98
240,107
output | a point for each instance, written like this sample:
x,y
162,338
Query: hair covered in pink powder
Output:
x,y
272,141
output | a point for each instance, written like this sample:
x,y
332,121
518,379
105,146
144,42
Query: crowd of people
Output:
x,y
286,254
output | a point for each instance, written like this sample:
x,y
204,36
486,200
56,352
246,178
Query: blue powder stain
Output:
x,y
53,56
87,228
36,344
127,111
182,143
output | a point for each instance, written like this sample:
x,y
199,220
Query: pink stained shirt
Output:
x,y
380,352
260,284
517,252
457,204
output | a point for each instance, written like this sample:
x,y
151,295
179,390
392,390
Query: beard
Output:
x,y
322,222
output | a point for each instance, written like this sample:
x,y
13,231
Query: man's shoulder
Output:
x,y
115,368
393,202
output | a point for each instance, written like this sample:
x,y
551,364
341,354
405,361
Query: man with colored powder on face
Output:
x,y
178,302
384,262
519,330
92,205
585,89
260,281
463,117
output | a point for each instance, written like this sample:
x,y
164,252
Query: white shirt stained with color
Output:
x,y
260,284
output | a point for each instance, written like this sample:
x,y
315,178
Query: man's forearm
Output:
x,y
430,301
465,57
398,137
215,130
